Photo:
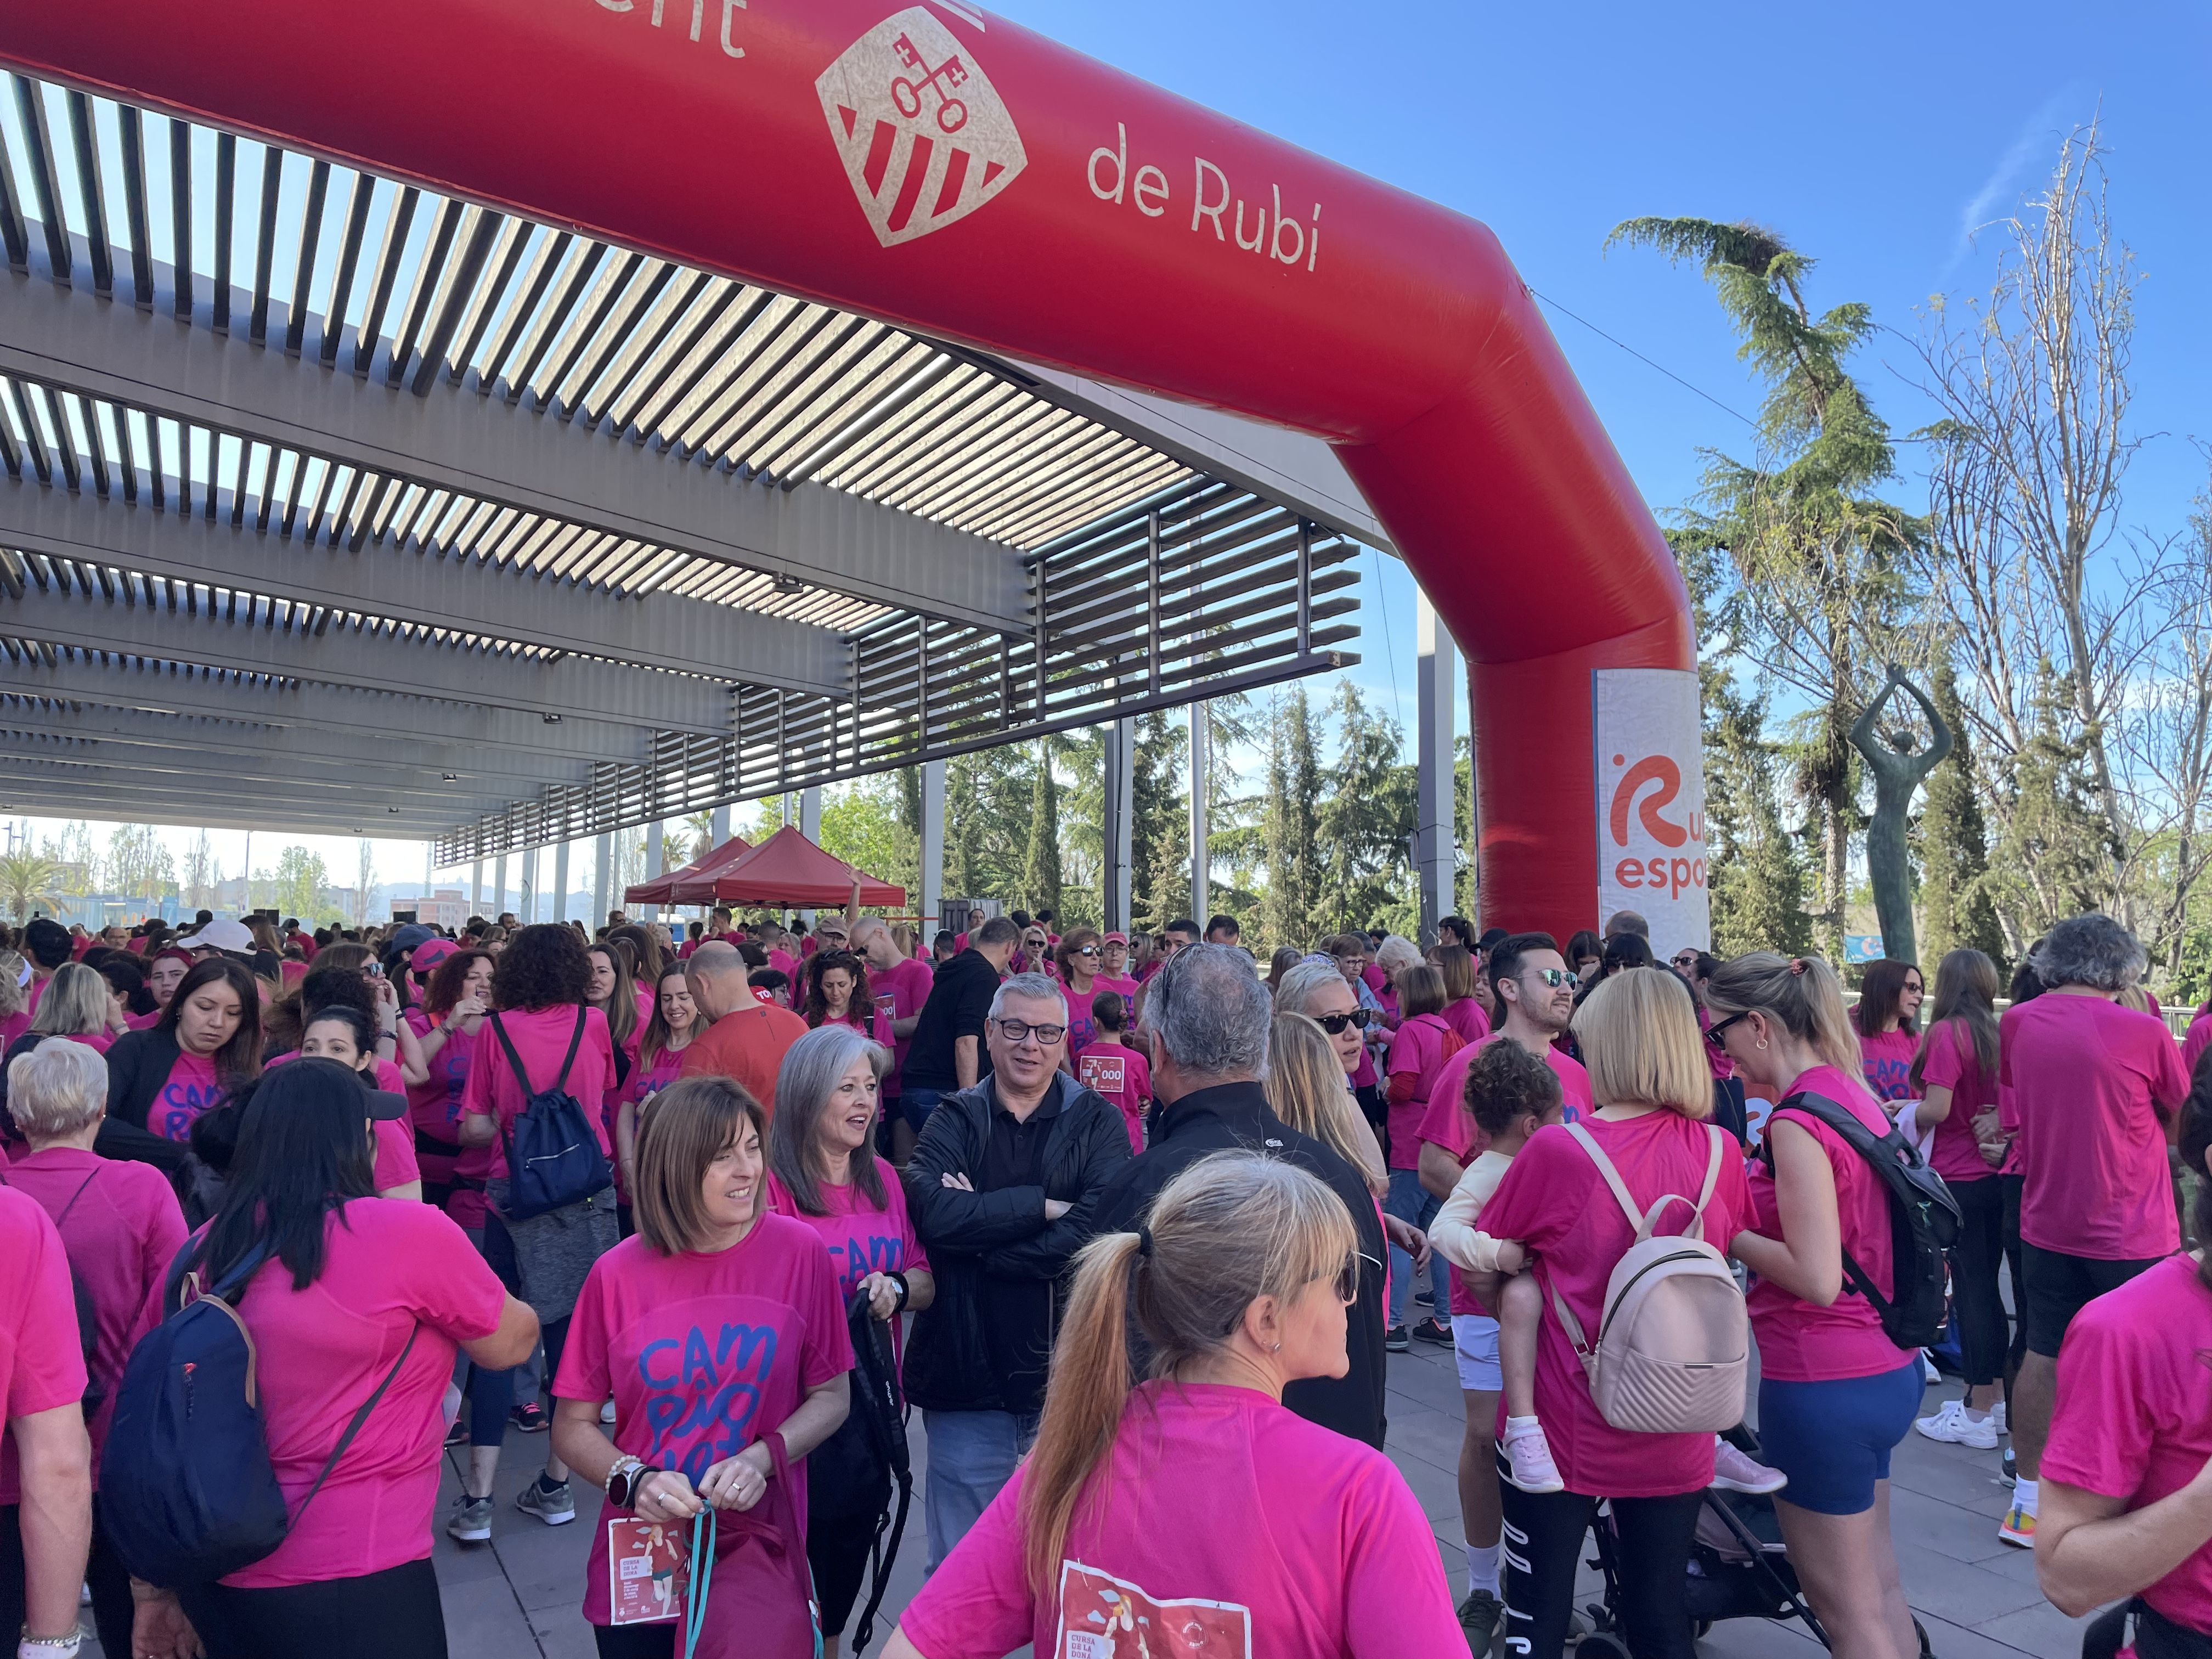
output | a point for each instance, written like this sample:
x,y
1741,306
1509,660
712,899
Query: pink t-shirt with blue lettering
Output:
x,y
1229,1526
189,1092
1887,1059
702,1354
1799,1341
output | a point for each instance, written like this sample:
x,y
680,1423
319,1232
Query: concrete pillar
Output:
x,y
476,888
429,871
931,901
717,827
1436,665
560,882
653,862
1120,821
525,900
602,876
1201,866
810,825
498,886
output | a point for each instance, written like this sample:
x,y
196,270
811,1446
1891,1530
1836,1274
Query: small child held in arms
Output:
x,y
1510,1093
1107,1068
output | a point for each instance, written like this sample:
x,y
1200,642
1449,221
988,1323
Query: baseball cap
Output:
x,y
221,934
430,953
1117,938
384,1105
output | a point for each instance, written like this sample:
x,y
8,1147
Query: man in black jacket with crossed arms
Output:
x,y
1002,1185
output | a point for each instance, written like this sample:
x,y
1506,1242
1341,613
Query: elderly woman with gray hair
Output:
x,y
121,1227
2092,1091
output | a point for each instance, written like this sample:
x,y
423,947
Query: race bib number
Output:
x,y
1103,1074
643,1560
1103,1617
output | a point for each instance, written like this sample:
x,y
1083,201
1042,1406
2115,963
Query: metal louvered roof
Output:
x,y
279,433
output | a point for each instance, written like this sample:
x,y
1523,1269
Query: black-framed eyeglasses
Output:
x,y
1718,1030
1555,977
1334,1024
1017,1030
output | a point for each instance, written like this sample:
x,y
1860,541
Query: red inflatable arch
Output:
x,y
955,173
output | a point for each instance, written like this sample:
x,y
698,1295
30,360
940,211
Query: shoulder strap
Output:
x,y
521,1077
575,1041
76,1195
1605,1167
354,1427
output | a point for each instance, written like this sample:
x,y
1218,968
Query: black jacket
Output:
x,y
1233,1115
1002,1234
138,1064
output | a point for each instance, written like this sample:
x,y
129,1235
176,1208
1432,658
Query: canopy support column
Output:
x,y
499,886
1121,821
560,882
603,870
476,888
932,898
1201,866
653,862
525,899
1434,859
810,825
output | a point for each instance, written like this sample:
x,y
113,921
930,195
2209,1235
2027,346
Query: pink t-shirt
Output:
x,y
1120,1074
189,1091
435,1104
1799,1342
1420,1048
2194,1043
784,963
42,1355
2134,1420
900,991
123,1228
1306,1545
1952,1064
703,1354
2085,1074
142,1021
1556,1203
1888,1062
322,1350
1466,1017
13,1026
541,1041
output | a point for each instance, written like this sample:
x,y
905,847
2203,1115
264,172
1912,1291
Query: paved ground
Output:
x,y
518,1597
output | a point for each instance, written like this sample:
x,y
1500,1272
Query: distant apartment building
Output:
x,y
448,907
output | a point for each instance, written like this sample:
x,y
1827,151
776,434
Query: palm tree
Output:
x,y
29,882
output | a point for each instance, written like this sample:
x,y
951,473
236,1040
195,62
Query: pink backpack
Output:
x,y
1672,1341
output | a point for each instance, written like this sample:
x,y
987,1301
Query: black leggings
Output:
x,y
104,1571
374,1616
1980,1251
837,1551
2013,1186
1543,1547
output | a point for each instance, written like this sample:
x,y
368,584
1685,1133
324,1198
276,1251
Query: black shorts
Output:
x,y
2058,1286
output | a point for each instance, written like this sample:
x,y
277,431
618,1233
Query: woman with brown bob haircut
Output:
x,y
718,1330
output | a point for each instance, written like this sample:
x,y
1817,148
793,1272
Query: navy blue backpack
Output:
x,y
553,1156
188,1494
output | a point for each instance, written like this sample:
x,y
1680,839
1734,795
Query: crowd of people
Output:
x,y
1129,1220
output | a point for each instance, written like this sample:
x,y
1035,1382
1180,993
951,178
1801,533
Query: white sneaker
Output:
x,y
1529,1465
1928,1373
1953,1425
1733,1471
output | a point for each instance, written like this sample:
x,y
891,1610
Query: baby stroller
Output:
x,y
1738,1569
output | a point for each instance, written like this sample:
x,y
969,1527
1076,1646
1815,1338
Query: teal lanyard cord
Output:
x,y
702,1577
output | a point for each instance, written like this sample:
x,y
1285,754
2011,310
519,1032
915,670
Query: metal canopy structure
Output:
x,y
334,504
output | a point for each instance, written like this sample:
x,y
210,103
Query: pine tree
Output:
x,y
1756,869
1954,893
1041,863
1159,836
1366,824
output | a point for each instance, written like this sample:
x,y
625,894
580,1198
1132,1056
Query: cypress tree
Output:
x,y
1040,863
1956,913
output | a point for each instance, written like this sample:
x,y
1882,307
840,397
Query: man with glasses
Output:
x,y
1205,1034
1003,1186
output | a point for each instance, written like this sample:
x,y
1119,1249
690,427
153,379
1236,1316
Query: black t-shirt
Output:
x,y
1018,1312
959,1002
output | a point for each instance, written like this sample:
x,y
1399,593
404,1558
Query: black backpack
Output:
x,y
849,1476
1923,1223
553,1156
191,1494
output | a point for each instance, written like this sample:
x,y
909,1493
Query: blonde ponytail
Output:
x,y
1802,992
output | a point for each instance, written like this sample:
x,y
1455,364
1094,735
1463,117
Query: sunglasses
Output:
x,y
1348,1278
1334,1024
1085,950
1555,977
1719,1028
1688,959
1017,1030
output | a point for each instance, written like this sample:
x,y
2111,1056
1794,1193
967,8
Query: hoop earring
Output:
x,y
1762,1042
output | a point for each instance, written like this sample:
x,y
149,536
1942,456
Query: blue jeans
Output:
x,y
918,1103
1409,1201
971,1455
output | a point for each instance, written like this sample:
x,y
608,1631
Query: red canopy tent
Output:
x,y
692,884
787,869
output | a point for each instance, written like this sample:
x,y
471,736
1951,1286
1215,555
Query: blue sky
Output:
x,y
1875,138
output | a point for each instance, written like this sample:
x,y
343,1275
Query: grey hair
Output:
x,y
58,1089
2090,950
1396,952
1297,984
1041,988
1211,1012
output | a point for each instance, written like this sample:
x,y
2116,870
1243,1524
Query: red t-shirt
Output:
x,y
703,1354
1952,1064
2085,1075
1799,1342
541,1041
1121,1075
123,1230
189,1090
1306,1545
1557,1204
1888,1062
1419,1048
900,991
2134,1420
386,1268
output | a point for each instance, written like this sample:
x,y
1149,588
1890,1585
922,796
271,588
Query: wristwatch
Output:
x,y
623,1485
